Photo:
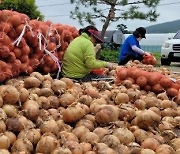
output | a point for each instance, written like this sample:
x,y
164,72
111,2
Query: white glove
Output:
x,y
147,53
97,47
109,65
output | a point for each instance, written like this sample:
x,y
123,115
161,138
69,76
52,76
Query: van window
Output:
x,y
177,36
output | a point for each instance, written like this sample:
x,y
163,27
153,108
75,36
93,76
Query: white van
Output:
x,y
170,50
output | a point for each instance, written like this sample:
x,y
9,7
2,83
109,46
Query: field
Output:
x,y
112,56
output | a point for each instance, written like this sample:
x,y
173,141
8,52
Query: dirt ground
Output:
x,y
173,68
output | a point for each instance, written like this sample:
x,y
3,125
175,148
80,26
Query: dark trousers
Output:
x,y
130,57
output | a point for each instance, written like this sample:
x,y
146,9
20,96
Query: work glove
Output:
x,y
147,53
97,47
110,65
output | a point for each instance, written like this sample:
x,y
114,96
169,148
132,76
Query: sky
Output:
x,y
59,12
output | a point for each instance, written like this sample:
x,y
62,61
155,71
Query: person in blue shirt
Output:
x,y
131,49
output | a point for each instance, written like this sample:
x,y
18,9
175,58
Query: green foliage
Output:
x,y
112,56
118,10
27,7
109,55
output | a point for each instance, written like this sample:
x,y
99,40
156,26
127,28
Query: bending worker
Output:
x,y
131,49
80,57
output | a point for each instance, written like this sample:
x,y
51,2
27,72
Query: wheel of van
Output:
x,y
165,62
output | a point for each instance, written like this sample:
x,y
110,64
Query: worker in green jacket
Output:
x,y
80,57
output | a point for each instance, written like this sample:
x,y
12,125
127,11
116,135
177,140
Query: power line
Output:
x,y
58,15
168,4
70,3
54,4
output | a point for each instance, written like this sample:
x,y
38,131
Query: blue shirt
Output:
x,y
127,47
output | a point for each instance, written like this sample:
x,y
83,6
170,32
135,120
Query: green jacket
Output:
x,y
79,58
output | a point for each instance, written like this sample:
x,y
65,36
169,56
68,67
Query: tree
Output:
x,y
123,28
27,7
108,11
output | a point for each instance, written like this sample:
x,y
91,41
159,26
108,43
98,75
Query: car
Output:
x,y
170,50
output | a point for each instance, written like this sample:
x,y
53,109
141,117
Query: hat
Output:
x,y
97,35
142,31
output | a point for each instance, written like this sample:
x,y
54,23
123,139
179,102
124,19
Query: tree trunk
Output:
x,y
108,19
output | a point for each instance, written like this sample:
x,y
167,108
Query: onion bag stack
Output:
x,y
28,45
149,81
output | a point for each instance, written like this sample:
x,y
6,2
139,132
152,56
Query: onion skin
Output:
x,y
141,81
4,142
47,144
107,114
121,98
10,95
31,109
150,143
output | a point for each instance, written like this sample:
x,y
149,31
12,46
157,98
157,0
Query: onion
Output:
x,y
58,86
103,148
154,78
43,102
163,96
38,76
111,141
122,73
147,119
107,114
61,150
165,82
86,123
101,132
151,101
10,95
2,126
11,136
4,142
85,99
164,149
90,137
10,110
147,151
54,101
79,131
74,146
150,143
93,92
126,111
33,135
85,147
68,82
140,135
24,93
31,109
1,101
31,82
49,126
46,92
124,135
66,99
140,104
16,124
4,151
67,136
172,92
141,81
47,144
127,83
73,114
157,88
121,98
